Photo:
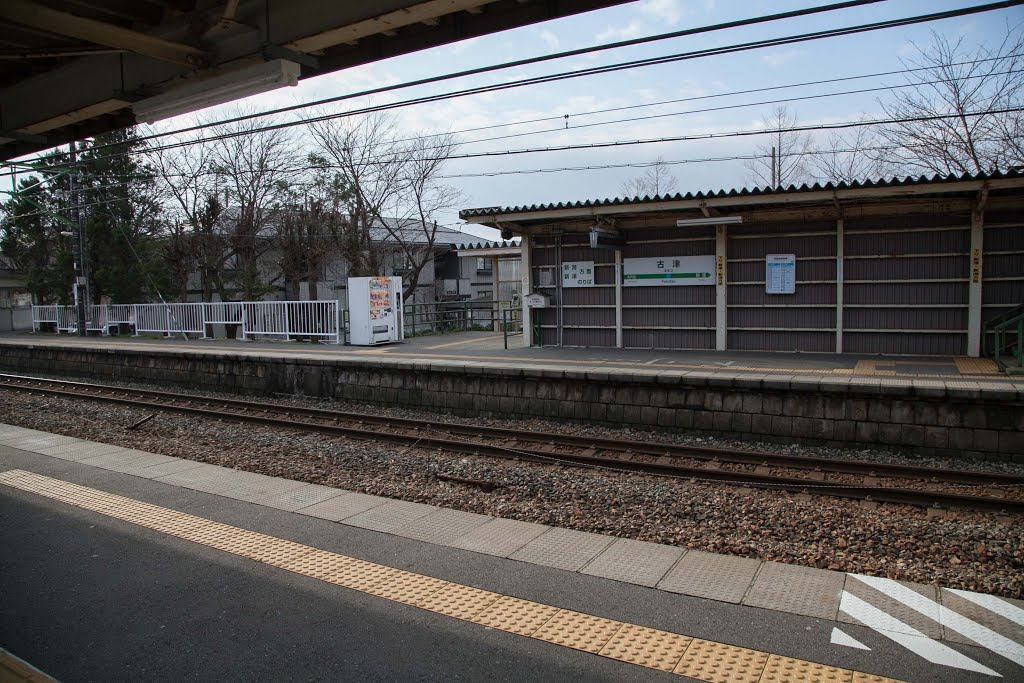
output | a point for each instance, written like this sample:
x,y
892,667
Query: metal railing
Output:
x,y
287,319
459,316
1006,325
281,319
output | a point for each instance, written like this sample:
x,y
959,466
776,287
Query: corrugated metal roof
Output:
x,y
757,191
468,246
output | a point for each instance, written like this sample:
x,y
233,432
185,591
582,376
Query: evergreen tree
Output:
x,y
122,218
30,231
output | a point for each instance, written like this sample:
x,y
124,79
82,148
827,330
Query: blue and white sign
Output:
x,y
668,270
780,274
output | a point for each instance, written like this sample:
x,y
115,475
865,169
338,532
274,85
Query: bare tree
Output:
x,y
192,196
394,191
417,241
254,165
973,88
850,156
309,230
656,180
353,148
782,160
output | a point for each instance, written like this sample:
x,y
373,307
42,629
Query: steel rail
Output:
x,y
259,413
653,449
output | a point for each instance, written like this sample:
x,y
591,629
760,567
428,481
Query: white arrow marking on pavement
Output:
x,y
840,638
910,638
725,364
993,604
982,635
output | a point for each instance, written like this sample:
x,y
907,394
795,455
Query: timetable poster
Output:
x,y
780,274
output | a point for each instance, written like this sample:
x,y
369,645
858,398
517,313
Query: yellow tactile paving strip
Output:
x,y
974,368
646,647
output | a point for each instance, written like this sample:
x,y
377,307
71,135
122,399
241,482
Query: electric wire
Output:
x,y
528,61
592,167
711,136
605,69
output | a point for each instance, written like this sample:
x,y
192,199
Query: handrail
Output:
x,y
997,328
1012,325
1013,313
450,316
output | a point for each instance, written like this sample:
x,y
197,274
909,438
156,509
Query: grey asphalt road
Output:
x,y
89,598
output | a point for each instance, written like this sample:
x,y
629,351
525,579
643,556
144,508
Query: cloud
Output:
x,y
779,58
665,11
633,29
550,39
463,45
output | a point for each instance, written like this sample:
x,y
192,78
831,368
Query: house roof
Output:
x,y
415,232
939,183
409,231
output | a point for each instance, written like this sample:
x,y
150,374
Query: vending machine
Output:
x,y
375,310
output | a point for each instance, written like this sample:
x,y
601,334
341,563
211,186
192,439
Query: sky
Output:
x,y
570,106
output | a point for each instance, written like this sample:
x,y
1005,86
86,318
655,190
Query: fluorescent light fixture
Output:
x,y
601,236
712,220
224,87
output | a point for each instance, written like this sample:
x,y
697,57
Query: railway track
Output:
x,y
870,481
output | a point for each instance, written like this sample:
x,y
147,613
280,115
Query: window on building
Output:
x,y
483,264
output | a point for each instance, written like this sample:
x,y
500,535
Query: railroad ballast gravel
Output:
x,y
971,551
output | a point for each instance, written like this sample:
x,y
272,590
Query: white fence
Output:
x,y
319,319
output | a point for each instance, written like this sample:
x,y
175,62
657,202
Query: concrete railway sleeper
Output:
x,y
867,481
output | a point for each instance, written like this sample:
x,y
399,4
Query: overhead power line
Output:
x,y
621,66
730,134
1004,4
683,138
527,61
638,118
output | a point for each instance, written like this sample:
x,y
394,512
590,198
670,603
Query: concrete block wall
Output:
x,y
925,418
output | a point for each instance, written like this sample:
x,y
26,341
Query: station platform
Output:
x,y
946,407
462,586
487,349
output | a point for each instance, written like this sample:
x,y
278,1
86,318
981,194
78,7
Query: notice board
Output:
x,y
780,274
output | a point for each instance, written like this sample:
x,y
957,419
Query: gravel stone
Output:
x,y
966,550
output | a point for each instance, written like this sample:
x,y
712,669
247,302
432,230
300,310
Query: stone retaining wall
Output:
x,y
926,418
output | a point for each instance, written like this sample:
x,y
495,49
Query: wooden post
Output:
x,y
974,340
618,298
527,284
495,286
839,284
721,290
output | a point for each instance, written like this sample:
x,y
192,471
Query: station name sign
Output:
x,y
668,270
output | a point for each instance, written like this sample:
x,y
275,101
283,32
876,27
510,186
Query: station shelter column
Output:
x,y
496,293
974,301
526,269
840,255
618,298
721,292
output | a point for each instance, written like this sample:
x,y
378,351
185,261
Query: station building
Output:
x,y
904,266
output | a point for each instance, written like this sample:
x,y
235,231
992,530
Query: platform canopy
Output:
x,y
70,69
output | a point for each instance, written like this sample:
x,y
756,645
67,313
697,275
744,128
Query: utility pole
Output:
x,y
78,247
775,181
